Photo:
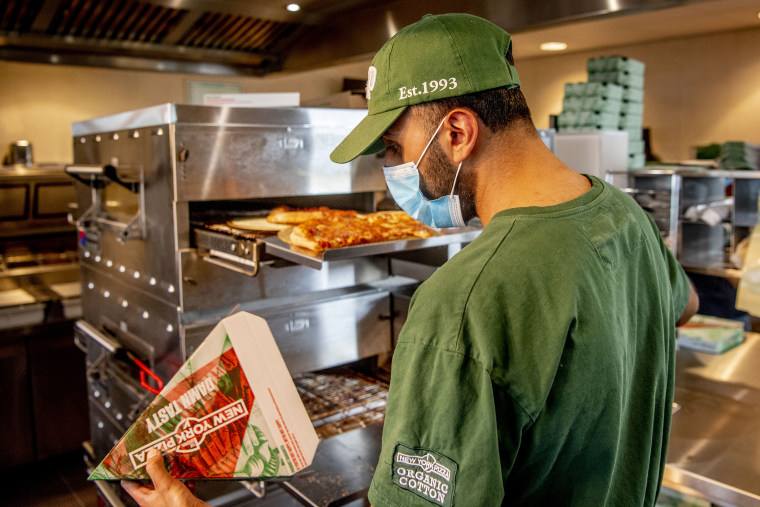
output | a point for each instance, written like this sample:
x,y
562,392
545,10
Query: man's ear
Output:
x,y
460,134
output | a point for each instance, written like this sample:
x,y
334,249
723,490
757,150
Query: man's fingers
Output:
x,y
137,491
155,468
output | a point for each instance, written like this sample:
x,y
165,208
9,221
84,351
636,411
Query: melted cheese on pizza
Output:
x,y
342,230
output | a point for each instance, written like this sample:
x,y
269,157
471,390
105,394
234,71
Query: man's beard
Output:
x,y
439,177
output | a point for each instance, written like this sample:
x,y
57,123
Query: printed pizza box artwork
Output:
x,y
231,411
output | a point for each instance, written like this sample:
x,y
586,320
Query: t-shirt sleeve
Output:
x,y
440,432
679,281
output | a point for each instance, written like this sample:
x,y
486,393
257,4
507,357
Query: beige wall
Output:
x,y
40,102
698,90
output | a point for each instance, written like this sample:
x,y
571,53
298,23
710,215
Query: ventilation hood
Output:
x,y
250,37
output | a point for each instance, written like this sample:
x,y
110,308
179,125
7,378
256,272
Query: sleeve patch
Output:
x,y
425,473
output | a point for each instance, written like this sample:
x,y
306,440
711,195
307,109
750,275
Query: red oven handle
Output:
x,y
144,370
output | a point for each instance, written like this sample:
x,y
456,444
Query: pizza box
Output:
x,y
276,99
231,411
710,334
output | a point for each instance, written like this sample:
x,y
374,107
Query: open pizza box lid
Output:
x,y
231,411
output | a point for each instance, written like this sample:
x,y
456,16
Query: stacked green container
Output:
x,y
590,106
612,99
628,74
740,155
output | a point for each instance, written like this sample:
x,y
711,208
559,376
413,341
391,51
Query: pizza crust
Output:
x,y
293,216
295,236
256,224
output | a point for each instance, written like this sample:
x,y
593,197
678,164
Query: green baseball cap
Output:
x,y
437,57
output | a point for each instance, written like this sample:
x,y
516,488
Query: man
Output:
x,y
536,366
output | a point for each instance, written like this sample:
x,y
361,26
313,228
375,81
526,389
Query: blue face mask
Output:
x,y
404,184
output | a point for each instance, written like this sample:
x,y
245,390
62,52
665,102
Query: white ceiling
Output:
x,y
692,19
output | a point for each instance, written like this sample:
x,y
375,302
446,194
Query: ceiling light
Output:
x,y
293,7
553,46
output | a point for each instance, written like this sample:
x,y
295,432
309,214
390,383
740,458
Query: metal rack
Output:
x,y
702,214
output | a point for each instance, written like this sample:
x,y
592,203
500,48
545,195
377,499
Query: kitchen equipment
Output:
x,y
704,213
160,266
20,153
37,254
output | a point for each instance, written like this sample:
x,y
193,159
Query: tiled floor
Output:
x,y
60,482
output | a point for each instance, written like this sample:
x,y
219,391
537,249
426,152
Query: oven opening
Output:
x,y
210,212
343,398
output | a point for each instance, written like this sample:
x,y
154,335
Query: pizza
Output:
x,y
293,216
259,224
342,230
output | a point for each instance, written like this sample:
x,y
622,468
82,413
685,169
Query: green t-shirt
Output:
x,y
537,366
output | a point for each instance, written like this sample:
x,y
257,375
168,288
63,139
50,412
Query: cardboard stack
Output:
x,y
612,99
740,155
629,74
591,106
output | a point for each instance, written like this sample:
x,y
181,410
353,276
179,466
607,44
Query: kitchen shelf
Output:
x,y
704,241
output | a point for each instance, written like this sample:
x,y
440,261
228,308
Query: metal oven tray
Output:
x,y
277,247
340,400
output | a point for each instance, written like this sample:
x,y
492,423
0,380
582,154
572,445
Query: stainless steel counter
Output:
x,y
715,437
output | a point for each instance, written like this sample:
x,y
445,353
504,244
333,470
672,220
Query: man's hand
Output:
x,y
166,490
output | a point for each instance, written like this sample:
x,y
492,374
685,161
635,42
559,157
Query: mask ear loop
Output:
x,y
455,178
431,141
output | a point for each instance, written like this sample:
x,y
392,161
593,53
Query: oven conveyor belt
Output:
x,y
341,401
